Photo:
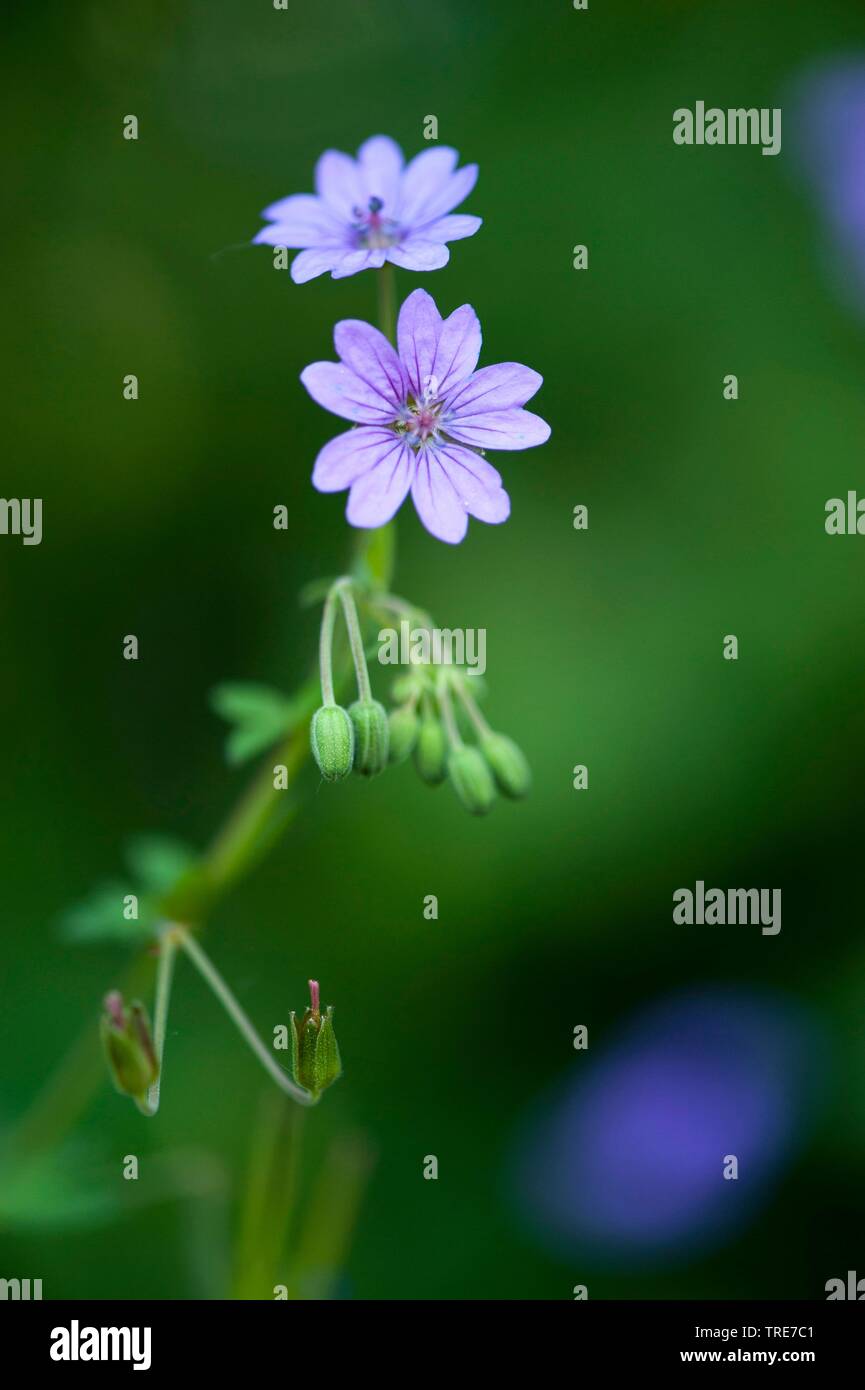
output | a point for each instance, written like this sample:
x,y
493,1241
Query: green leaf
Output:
x,y
158,862
99,917
67,1187
315,592
260,715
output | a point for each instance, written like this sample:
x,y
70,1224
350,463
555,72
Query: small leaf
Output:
x,y
99,917
260,715
56,1189
158,862
315,592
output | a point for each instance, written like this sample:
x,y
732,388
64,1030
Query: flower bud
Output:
x,y
315,1062
371,737
128,1046
331,734
404,725
472,779
430,750
510,768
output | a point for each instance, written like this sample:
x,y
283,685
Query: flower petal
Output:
x,y
442,199
424,178
344,459
370,356
458,349
417,254
437,500
381,161
313,262
451,228
495,388
336,387
302,220
381,491
417,336
500,429
476,483
338,183
351,262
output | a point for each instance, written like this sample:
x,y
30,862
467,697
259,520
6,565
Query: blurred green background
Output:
x,y
604,646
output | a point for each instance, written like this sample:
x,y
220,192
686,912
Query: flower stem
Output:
x,y
164,976
325,646
445,705
355,638
471,709
205,967
387,302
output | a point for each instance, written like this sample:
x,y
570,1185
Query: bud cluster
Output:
x,y
434,713
355,739
435,709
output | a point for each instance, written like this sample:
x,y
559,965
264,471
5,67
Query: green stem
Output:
x,y
355,638
387,302
471,709
325,645
239,1018
164,976
445,705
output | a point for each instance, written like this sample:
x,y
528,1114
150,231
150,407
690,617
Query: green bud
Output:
x,y
331,734
406,687
510,768
430,750
315,1062
128,1046
472,779
371,737
404,724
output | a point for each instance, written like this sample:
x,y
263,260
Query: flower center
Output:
x,y
372,230
422,417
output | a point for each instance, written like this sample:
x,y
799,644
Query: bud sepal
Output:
x,y
128,1046
315,1059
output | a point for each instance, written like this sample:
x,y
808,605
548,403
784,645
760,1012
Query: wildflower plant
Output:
x,y
422,414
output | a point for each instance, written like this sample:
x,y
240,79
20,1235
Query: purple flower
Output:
x,y
828,104
374,209
627,1156
422,415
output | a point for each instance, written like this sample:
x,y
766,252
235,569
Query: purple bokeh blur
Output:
x,y
827,105
626,1158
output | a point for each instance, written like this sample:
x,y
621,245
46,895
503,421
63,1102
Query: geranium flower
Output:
x,y
374,209
422,414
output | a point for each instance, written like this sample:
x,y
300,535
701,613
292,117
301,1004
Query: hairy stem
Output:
x,y
355,638
443,695
325,646
471,709
205,967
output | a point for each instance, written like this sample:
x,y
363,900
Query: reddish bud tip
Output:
x,y
313,996
113,1005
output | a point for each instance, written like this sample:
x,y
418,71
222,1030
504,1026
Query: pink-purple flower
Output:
x,y
374,209
421,415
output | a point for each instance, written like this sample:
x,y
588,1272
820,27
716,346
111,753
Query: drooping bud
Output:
x,y
508,762
331,734
472,779
430,751
371,737
128,1046
404,724
315,1061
